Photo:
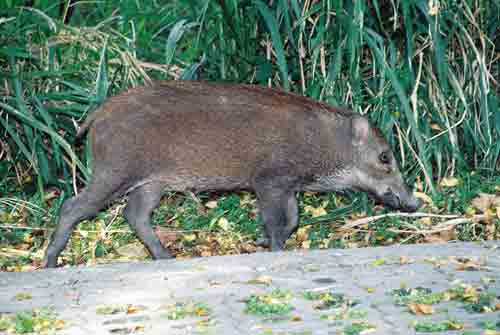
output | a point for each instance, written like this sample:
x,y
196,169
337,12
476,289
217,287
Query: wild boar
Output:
x,y
197,136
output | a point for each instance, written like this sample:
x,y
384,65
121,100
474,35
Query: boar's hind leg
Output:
x,y
82,206
279,210
141,203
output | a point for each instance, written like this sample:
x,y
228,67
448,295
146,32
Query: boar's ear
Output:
x,y
360,130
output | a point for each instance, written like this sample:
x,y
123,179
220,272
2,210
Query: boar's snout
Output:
x,y
413,205
404,201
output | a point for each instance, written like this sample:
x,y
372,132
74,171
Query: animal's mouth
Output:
x,y
391,200
409,204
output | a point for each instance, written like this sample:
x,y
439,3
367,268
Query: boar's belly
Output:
x,y
180,183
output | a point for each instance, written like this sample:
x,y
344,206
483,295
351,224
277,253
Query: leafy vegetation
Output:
x,y
426,72
330,300
358,328
276,302
436,327
345,314
474,299
181,310
40,321
418,295
423,70
490,325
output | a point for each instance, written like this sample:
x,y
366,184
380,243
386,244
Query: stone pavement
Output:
x,y
223,284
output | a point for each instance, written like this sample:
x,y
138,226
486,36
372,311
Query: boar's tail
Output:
x,y
85,126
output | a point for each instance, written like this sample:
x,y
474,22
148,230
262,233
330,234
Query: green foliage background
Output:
x,y
425,71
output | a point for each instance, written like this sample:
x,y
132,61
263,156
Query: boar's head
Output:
x,y
375,170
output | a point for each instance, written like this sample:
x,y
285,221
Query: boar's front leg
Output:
x,y
278,207
141,203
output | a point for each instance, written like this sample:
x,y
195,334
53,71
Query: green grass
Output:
x,y
424,76
418,295
359,328
276,302
182,310
40,321
329,300
229,223
490,325
436,327
427,77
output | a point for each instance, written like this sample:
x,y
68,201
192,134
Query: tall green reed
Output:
x,y
425,71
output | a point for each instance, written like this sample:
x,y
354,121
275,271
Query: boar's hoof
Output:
x,y
277,244
161,254
49,262
266,242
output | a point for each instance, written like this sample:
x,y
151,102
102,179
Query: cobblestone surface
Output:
x,y
366,275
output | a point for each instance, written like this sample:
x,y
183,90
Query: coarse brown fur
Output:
x,y
195,136
168,131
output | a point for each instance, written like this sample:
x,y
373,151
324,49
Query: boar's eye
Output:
x,y
384,158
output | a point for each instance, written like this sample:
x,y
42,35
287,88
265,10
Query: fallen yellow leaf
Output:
x,y
470,211
211,204
131,309
424,197
325,243
425,221
263,279
139,329
60,324
224,224
404,260
469,265
436,262
370,289
206,253
189,237
315,211
306,244
491,332
484,201
455,325
28,238
83,233
449,182
421,309
246,199
377,262
23,296
489,215
303,233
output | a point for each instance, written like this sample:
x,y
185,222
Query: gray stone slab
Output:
x,y
222,283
